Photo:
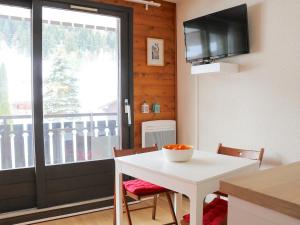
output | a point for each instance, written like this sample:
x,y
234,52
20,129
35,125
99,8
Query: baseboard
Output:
x,y
31,216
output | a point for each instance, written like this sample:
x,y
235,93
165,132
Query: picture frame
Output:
x,y
155,52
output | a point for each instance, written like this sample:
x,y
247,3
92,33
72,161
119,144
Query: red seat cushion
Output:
x,y
140,187
214,213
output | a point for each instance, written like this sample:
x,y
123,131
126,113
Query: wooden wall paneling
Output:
x,y
151,83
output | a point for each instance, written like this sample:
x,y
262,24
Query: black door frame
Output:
x,y
43,172
18,185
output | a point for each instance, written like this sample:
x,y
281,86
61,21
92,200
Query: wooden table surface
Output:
x,y
277,188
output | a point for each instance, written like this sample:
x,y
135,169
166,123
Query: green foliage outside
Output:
x,y
82,41
61,87
4,105
62,45
16,34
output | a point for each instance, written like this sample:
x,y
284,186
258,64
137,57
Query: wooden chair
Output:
x,y
249,154
154,191
242,153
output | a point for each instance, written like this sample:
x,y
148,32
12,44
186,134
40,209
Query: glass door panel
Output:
x,y
16,149
85,72
80,85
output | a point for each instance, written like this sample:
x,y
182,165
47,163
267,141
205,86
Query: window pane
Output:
x,y
80,84
16,149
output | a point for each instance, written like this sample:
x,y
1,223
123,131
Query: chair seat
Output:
x,y
214,213
140,187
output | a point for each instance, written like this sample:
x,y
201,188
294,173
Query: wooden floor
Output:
x,y
140,217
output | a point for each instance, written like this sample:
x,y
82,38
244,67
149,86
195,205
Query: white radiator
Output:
x,y
160,132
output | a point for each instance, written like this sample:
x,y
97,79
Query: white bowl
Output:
x,y
178,155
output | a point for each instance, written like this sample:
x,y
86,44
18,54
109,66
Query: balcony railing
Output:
x,y
67,138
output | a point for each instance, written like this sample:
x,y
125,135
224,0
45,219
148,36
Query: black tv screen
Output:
x,y
217,35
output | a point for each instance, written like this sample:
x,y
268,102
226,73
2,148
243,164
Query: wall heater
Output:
x,y
160,132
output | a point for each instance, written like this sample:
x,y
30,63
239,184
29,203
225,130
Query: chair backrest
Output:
x,y
249,154
125,152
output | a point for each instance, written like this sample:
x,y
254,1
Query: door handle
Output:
x,y
128,111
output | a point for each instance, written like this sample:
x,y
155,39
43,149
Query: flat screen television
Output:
x,y
217,35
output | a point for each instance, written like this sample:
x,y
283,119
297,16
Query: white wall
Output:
x,y
258,107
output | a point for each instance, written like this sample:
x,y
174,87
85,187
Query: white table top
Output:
x,y
203,166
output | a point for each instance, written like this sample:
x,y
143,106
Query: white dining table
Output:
x,y
196,178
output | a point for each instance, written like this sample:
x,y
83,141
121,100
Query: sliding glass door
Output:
x,y
81,95
15,88
17,178
59,142
82,99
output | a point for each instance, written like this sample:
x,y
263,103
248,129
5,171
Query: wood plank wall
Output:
x,y
152,84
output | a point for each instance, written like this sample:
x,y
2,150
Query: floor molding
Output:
x,y
34,215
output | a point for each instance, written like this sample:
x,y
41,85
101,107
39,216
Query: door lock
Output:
x,y
127,110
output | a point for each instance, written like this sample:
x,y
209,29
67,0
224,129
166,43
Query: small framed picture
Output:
x,y
155,52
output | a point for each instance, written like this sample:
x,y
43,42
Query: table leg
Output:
x,y
119,201
178,206
196,210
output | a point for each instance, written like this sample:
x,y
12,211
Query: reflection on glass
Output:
x,y
16,149
80,84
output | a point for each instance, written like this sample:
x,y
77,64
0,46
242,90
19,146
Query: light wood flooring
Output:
x,y
105,217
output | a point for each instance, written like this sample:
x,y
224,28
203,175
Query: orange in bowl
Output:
x,y
178,152
178,147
